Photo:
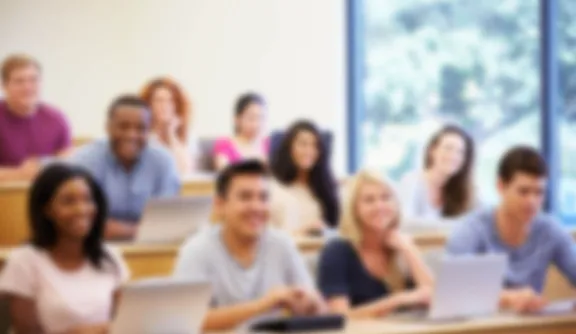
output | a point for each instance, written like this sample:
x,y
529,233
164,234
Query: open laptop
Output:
x,y
162,306
466,287
169,220
415,226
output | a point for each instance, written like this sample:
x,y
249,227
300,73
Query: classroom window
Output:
x,y
468,62
566,54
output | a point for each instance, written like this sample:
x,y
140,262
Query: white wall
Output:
x,y
292,51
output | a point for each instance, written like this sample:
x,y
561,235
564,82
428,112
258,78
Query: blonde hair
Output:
x,y
15,62
350,226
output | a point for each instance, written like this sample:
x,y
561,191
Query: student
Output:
x,y
360,274
517,227
170,119
130,171
444,188
254,270
248,141
305,198
65,280
30,130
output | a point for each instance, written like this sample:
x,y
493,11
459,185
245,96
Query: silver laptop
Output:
x,y
170,220
415,226
162,306
466,287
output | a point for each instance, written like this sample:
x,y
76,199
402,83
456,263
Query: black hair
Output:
x,y
244,101
127,100
246,167
44,230
321,180
521,159
458,191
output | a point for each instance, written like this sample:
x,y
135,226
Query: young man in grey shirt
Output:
x,y
532,240
254,270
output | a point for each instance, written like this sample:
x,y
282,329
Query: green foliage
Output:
x,y
466,60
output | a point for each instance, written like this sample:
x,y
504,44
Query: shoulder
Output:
x,y
201,244
411,181
158,154
223,143
547,225
99,147
25,255
279,243
278,190
278,238
475,224
94,152
51,112
119,266
338,247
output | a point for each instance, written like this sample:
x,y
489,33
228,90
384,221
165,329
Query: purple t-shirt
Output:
x,y
42,134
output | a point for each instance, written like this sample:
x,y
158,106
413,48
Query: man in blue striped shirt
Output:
x,y
531,239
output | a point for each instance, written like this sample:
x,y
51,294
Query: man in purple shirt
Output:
x,y
30,131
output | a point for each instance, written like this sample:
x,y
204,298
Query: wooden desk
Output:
x,y
509,324
14,200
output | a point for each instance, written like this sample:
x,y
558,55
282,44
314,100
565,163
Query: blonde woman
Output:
x,y
361,274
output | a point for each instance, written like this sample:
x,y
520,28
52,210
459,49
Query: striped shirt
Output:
x,y
548,243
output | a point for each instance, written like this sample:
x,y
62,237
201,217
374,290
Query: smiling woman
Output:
x,y
444,188
66,258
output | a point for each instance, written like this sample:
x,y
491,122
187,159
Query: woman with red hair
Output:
x,y
170,116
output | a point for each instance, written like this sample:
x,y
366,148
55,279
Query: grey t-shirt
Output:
x,y
204,257
548,243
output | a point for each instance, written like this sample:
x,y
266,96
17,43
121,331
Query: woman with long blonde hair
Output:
x,y
372,269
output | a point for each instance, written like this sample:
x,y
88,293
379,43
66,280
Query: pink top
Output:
x,y
226,147
64,299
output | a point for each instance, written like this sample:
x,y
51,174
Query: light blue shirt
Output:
x,y
154,175
548,243
205,258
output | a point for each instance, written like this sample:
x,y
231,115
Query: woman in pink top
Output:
x,y
248,141
66,280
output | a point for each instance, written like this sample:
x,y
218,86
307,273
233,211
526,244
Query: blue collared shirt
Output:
x,y
154,175
548,243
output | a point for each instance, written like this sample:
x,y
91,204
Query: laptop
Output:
x,y
162,306
466,287
172,220
415,226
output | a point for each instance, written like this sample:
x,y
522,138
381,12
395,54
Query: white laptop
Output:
x,y
169,220
162,306
466,287
415,226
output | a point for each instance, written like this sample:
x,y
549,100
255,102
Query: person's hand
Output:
x,y
417,297
173,131
398,241
307,302
29,168
523,300
282,297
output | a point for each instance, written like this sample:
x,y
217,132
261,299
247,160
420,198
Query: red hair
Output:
x,y
183,111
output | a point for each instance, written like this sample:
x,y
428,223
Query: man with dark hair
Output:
x,y
517,227
128,169
254,270
31,131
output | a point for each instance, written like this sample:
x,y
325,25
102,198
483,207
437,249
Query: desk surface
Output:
x,y
499,324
